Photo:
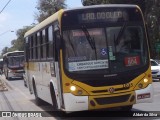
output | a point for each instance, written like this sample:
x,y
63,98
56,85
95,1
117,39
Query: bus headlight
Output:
x,y
143,83
73,88
145,80
76,90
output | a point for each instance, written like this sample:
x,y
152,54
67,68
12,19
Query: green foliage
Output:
x,y
17,44
47,7
151,10
4,50
140,3
94,2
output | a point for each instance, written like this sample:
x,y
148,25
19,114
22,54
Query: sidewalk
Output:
x,y
2,85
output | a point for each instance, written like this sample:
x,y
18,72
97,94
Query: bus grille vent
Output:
x,y
111,100
116,89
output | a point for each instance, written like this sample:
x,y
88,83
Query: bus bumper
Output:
x,y
145,95
75,103
16,73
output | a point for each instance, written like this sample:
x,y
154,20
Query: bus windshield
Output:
x,y
115,50
15,61
104,41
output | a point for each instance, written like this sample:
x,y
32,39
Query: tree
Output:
x,y
140,3
153,21
151,10
18,44
94,2
47,7
4,50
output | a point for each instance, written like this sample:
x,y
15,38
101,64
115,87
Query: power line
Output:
x,y
6,32
5,6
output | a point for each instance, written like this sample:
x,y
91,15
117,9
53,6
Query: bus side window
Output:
x,y
57,43
26,50
50,42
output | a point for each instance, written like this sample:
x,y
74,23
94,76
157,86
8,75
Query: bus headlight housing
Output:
x,y
143,83
140,85
76,90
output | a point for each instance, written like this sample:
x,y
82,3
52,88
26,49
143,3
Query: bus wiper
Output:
x,y
90,40
117,40
72,46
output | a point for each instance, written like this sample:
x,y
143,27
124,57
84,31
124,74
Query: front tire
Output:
x,y
54,101
37,99
6,75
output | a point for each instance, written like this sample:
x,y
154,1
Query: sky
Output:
x,y
17,14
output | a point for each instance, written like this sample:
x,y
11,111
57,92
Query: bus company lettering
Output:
x,y
102,15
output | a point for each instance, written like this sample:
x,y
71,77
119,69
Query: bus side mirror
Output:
x,y
58,44
58,39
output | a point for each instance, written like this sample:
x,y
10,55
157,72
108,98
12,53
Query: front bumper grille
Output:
x,y
112,100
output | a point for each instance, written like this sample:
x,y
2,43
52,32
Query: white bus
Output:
x,y
13,64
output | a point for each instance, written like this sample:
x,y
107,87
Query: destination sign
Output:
x,y
101,16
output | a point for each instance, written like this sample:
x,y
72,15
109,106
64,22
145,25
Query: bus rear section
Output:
x,y
104,58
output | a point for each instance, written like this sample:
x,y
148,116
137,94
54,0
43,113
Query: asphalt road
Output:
x,y
18,98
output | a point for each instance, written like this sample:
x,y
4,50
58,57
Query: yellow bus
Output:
x,y
13,64
90,58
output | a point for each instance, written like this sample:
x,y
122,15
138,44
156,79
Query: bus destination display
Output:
x,y
102,16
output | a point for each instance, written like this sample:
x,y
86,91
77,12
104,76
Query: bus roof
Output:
x,y
55,16
11,53
47,21
106,5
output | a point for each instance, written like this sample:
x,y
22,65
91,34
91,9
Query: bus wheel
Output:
x,y
37,99
54,101
6,75
127,108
